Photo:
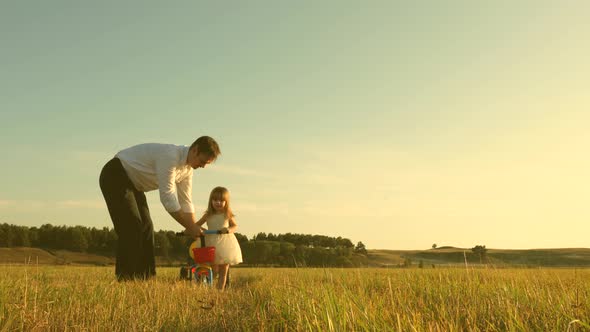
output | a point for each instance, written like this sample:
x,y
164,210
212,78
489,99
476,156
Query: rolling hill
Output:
x,y
450,256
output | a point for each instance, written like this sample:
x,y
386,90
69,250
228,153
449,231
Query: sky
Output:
x,y
398,124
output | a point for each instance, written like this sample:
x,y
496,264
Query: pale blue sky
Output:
x,y
396,124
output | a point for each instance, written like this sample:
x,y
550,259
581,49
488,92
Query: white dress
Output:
x,y
227,248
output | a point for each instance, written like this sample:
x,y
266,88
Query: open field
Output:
x,y
39,298
440,257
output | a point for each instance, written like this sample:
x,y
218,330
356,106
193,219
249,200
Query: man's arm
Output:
x,y
184,191
187,220
167,189
182,213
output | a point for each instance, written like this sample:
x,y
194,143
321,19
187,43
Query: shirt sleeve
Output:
x,y
166,174
184,194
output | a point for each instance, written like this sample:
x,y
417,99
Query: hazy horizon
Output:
x,y
399,125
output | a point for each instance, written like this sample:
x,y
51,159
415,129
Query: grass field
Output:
x,y
40,298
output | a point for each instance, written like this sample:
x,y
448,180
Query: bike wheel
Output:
x,y
201,279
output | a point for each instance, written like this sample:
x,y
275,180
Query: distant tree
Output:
x,y
318,257
301,254
21,236
75,240
327,242
178,245
34,237
97,239
5,236
241,238
344,251
286,253
248,254
420,264
162,244
260,237
343,262
360,248
434,246
481,252
341,242
112,239
47,237
267,249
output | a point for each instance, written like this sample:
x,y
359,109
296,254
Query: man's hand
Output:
x,y
187,220
224,230
193,231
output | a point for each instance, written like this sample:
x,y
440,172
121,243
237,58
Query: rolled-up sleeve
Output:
x,y
184,189
166,174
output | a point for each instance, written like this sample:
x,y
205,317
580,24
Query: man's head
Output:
x,y
202,152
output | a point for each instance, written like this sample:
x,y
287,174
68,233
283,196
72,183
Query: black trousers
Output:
x,y
131,218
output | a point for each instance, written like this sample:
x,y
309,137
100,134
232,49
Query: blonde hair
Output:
x,y
219,193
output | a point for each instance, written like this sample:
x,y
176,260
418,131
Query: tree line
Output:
x,y
263,249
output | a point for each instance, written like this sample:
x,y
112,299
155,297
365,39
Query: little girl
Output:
x,y
219,217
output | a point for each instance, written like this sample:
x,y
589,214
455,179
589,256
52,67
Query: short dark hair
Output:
x,y
208,146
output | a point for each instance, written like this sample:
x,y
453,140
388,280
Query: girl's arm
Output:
x,y
233,226
202,221
196,229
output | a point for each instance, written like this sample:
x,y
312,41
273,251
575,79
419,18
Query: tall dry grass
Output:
x,y
40,298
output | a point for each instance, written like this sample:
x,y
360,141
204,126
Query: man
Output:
x,y
142,168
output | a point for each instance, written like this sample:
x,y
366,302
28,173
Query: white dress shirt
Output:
x,y
153,166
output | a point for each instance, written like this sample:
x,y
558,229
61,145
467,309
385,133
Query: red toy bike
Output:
x,y
199,267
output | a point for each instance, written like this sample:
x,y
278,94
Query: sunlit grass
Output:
x,y
88,298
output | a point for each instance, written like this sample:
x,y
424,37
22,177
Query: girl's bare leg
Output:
x,y
215,269
222,272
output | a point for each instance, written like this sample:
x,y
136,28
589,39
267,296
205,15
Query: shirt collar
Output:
x,y
184,155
